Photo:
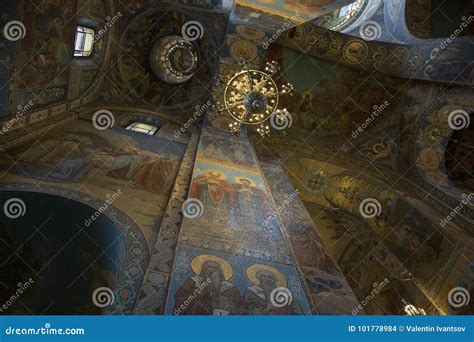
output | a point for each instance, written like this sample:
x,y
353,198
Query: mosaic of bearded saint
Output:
x,y
208,291
257,297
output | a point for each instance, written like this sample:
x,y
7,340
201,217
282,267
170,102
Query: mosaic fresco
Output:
x,y
235,208
236,204
236,285
407,238
226,150
327,285
81,159
370,120
307,10
51,33
133,80
422,61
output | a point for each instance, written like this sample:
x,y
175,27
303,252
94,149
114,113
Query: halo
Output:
x,y
196,265
239,178
252,271
222,176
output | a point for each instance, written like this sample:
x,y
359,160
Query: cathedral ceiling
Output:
x,y
140,52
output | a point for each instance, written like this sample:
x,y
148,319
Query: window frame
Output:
x,y
151,130
83,33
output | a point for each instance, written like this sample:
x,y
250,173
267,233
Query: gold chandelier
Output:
x,y
251,97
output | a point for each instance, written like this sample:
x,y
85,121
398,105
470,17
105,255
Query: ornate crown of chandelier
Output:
x,y
251,97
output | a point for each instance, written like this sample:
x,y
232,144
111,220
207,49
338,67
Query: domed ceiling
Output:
x,y
166,58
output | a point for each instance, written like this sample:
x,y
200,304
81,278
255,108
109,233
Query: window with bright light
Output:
x,y
350,10
142,128
84,41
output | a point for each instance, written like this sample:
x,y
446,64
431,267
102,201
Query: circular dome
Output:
x,y
173,59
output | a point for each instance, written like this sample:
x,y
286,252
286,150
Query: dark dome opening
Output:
x,y
53,257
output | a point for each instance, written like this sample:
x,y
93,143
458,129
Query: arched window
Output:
x,y
346,14
142,128
84,41
350,17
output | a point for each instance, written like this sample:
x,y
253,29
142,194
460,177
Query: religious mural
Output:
x,y
235,209
46,50
327,285
322,89
81,158
230,285
306,10
416,61
285,216
236,204
133,78
410,239
226,150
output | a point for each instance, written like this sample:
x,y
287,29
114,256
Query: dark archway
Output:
x,y
52,249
